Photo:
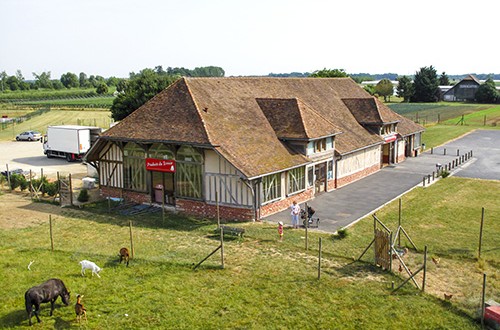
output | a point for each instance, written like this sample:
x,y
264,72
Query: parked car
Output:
x,y
29,136
26,174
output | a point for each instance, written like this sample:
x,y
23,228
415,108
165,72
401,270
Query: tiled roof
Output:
x,y
292,119
236,116
370,111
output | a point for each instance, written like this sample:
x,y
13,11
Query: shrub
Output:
x,y
15,180
83,196
445,174
51,188
341,234
23,183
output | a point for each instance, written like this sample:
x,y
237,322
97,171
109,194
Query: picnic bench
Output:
x,y
235,231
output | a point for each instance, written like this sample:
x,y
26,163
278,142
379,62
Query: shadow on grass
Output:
x,y
98,212
20,318
15,318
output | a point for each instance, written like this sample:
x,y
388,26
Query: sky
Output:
x,y
255,37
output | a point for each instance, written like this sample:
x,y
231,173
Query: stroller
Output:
x,y
307,217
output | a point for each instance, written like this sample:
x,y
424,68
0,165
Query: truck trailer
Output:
x,y
69,141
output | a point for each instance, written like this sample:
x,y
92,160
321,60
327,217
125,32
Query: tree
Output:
x,y
370,89
405,88
426,85
328,73
83,80
444,80
42,80
70,80
121,86
487,92
112,81
140,88
13,83
102,89
3,78
57,84
384,88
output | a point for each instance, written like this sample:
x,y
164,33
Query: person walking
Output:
x,y
295,214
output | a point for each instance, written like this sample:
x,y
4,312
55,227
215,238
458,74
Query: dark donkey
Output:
x,y
43,293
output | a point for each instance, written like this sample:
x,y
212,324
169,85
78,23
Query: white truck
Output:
x,y
69,141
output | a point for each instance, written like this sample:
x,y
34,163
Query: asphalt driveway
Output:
x,y
346,205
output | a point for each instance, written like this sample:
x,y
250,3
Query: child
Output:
x,y
280,230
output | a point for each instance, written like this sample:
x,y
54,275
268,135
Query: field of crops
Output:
x,y
430,113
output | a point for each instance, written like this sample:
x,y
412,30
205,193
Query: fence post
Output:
x,y
482,301
70,190
51,236
319,260
425,268
222,247
162,203
481,234
8,177
131,239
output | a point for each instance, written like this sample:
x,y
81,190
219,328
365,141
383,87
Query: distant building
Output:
x,y
245,148
464,91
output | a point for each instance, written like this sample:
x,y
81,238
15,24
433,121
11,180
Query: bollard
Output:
x,y
444,151
432,150
429,179
423,182
433,176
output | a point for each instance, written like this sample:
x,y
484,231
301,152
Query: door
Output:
x,y
165,180
320,175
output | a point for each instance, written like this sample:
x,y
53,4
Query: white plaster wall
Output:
x,y
358,161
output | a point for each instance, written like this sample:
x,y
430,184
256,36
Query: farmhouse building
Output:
x,y
464,91
249,145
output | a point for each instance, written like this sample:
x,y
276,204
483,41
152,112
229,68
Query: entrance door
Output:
x,y
320,174
165,180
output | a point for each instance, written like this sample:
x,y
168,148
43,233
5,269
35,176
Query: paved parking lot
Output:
x,y
29,156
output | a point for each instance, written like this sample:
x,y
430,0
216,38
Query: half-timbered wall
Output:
x,y
223,178
111,166
358,161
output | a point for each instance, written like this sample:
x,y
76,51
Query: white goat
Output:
x,y
90,265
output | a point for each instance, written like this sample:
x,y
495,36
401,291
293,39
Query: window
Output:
x,y
134,167
310,176
271,187
189,174
160,151
320,145
296,180
330,170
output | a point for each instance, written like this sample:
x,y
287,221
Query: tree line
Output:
x,y
70,80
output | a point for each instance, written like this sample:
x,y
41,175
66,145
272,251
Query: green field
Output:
x,y
266,284
49,94
91,117
432,113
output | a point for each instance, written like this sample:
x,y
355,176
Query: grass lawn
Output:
x,y
436,135
91,117
265,283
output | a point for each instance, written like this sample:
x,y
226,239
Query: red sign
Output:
x,y
160,165
391,138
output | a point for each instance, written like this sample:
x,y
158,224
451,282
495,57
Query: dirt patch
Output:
x,y
18,211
